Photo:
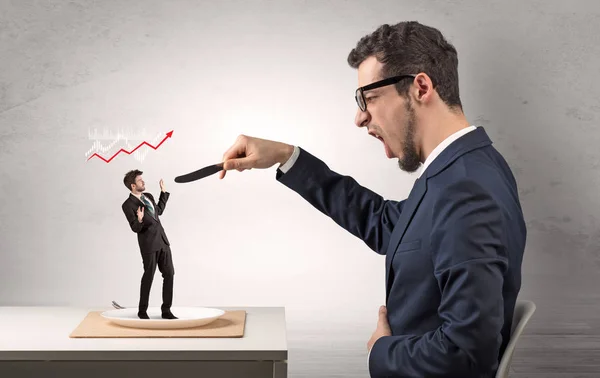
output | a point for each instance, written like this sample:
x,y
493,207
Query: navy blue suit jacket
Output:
x,y
453,251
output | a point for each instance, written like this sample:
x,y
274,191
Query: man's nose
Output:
x,y
362,118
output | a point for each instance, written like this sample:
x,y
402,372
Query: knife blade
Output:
x,y
200,173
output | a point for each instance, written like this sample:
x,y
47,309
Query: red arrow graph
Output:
x,y
169,134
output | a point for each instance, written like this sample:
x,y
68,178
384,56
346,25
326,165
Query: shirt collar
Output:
x,y
442,146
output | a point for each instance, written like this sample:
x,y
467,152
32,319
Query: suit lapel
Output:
x,y
412,202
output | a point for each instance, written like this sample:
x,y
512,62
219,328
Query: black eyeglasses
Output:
x,y
359,94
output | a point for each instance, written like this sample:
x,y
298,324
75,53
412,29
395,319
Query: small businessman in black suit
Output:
x,y
142,214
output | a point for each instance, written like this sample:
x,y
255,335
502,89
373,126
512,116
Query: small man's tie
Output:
x,y
149,205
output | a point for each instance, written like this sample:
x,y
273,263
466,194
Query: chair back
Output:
x,y
523,312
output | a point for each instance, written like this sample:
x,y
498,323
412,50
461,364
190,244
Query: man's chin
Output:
x,y
408,167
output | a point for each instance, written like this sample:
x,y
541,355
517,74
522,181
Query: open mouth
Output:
x,y
376,136
388,152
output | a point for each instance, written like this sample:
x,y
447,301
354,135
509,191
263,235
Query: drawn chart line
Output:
x,y
168,135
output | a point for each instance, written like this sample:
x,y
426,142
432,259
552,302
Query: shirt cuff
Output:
x,y
288,164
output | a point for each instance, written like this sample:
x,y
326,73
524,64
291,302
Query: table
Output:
x,y
34,342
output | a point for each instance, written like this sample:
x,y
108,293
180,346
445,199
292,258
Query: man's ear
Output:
x,y
423,88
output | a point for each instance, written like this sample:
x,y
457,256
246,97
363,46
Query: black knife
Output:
x,y
200,173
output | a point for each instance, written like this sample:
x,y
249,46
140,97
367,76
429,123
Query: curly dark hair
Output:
x,y
130,176
410,47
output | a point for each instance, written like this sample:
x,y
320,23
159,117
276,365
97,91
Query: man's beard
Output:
x,y
410,160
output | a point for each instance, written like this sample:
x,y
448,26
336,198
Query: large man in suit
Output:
x,y
453,249
142,214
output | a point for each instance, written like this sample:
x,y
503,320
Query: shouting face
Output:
x,y
388,116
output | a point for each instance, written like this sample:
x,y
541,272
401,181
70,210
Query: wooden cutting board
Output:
x,y
231,324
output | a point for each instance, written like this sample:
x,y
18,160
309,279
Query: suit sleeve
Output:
x,y
162,202
358,210
132,218
469,262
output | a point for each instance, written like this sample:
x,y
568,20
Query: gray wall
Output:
x,y
277,70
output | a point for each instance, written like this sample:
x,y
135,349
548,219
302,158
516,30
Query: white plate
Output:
x,y
188,317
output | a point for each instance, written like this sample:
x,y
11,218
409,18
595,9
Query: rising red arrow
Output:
x,y
169,134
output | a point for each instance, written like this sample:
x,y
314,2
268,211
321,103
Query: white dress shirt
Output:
x,y
288,164
434,154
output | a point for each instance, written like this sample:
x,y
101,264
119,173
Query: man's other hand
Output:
x,y
383,328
